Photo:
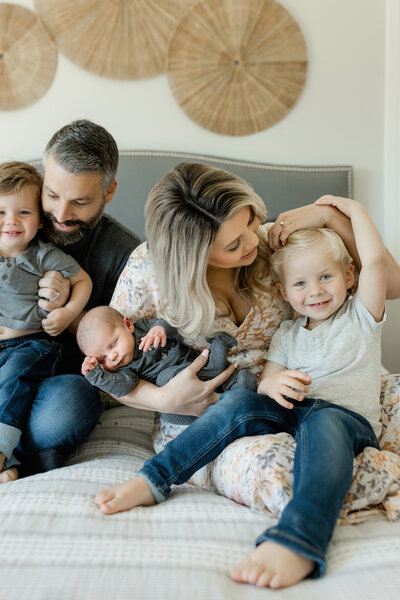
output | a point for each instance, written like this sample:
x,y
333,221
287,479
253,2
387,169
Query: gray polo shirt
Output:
x,y
342,356
19,277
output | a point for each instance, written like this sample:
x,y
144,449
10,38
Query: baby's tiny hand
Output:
x,y
88,364
155,336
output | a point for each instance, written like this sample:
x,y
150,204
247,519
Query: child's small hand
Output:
x,y
89,364
345,205
283,384
156,336
57,320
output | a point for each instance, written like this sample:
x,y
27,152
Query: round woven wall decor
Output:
x,y
237,66
119,39
28,59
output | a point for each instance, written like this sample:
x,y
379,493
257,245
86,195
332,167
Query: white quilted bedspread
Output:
x,y
56,545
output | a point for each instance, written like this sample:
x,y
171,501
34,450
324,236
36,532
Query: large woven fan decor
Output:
x,y
120,39
237,66
28,59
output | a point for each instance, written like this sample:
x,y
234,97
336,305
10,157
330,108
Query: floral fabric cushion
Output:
x,y
258,471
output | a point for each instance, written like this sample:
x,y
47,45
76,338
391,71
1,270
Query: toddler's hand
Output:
x,y
57,320
285,383
88,364
156,336
345,205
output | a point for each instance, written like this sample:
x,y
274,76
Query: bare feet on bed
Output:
x,y
272,565
9,475
135,492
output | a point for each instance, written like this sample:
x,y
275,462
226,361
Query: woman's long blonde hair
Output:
x,y
184,212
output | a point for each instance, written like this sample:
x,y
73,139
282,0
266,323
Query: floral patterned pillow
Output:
x,y
258,471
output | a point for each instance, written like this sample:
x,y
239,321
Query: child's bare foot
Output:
x,y
9,475
135,492
272,565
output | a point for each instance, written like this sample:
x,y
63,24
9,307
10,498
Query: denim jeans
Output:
x,y
41,411
328,437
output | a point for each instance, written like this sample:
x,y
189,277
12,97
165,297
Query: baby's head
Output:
x,y
20,212
105,334
314,272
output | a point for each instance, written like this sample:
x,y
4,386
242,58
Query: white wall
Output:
x,y
339,118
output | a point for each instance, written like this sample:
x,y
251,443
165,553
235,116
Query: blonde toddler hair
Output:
x,y
309,238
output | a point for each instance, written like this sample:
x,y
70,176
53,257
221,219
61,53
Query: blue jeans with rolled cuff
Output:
x,y
328,437
40,412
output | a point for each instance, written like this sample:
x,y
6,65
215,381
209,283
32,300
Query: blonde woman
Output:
x,y
206,269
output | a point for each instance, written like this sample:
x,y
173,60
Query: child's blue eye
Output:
x,y
325,277
299,283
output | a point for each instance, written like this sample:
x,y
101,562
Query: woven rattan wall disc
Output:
x,y
120,39
237,66
28,59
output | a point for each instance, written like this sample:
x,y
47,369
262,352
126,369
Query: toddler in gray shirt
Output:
x,y
27,353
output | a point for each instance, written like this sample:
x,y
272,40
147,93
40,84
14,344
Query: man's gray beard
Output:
x,y
66,238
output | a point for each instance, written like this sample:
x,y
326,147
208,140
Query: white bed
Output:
x,y
56,545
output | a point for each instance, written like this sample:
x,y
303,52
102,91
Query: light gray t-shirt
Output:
x,y
342,356
19,277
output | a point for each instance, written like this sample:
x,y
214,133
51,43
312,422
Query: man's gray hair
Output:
x,y
85,147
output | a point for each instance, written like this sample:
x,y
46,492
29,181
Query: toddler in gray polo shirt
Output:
x,y
27,353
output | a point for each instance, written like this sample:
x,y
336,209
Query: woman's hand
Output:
x,y
54,290
310,216
186,394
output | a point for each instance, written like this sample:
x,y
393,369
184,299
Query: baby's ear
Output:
x,y
128,323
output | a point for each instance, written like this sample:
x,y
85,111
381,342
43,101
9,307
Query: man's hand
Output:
x,y
89,364
284,384
54,290
156,336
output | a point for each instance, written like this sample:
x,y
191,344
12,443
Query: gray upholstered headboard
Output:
x,y
281,187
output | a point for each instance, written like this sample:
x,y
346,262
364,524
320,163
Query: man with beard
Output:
x,y
80,164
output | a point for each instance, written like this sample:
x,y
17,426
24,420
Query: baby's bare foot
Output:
x,y
135,492
9,475
272,565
